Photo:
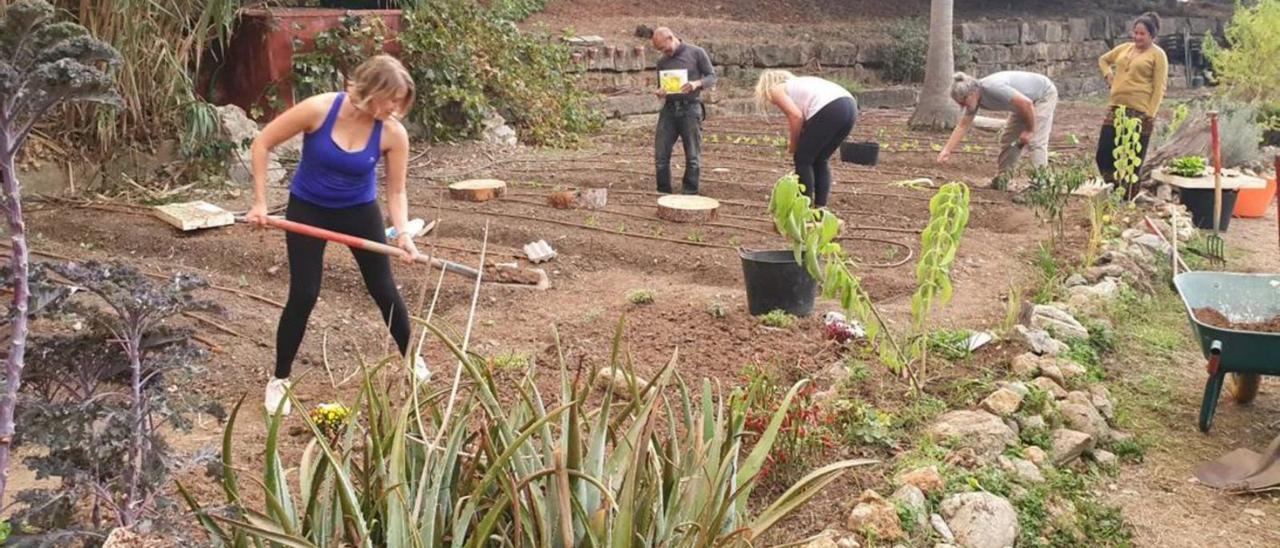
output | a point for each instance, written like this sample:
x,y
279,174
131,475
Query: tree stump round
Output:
x,y
477,190
687,209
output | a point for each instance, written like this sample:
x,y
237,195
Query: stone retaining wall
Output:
x,y
1065,50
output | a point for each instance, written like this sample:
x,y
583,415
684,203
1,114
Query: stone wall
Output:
x,y
1066,50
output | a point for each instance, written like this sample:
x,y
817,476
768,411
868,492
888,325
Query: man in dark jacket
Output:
x,y
682,110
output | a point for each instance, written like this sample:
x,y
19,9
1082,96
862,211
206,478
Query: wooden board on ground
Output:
x,y
477,190
194,215
687,209
1231,180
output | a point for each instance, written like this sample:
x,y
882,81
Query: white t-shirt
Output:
x,y
811,93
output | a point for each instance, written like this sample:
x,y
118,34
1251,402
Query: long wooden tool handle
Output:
x,y
367,245
1217,171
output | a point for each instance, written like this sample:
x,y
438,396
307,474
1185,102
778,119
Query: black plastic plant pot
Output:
x,y
776,282
866,154
1199,202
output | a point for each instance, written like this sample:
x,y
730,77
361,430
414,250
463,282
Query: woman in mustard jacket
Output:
x,y
1138,72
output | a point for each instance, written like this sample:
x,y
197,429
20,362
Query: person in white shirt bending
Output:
x,y
820,114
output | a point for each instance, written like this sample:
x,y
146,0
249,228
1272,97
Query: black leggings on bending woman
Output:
x,y
819,139
306,268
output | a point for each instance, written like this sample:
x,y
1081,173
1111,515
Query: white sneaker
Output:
x,y
420,371
277,396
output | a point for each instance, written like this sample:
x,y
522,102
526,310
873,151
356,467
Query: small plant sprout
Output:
x,y
717,310
695,236
1072,139
640,296
511,361
778,319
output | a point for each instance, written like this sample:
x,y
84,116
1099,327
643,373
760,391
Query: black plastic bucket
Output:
x,y
776,282
1199,202
866,154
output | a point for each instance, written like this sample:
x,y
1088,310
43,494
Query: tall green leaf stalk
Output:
x,y
1128,151
520,472
812,234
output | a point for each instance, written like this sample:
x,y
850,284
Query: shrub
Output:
x,y
640,296
1250,68
905,54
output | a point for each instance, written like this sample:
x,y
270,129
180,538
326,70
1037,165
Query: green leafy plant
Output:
x,y
778,319
470,63
717,310
43,65
521,469
812,233
1188,166
905,53
511,361
859,424
949,344
640,296
338,51
1051,189
1250,67
1128,148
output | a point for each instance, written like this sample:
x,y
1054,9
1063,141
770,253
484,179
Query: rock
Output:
x,y
981,520
1058,322
240,131
1111,270
124,538
1041,342
980,431
595,41
1026,365
995,32
1118,436
1018,387
1154,243
1100,397
926,479
826,539
876,515
617,381
1013,425
1071,369
1104,458
1079,414
1036,455
495,131
1002,402
912,497
644,31
848,542
1069,445
1052,387
1033,422
1052,371
775,55
1021,468
621,106
1105,290
940,526
1075,280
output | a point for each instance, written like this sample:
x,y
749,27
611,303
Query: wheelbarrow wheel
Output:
x,y
1212,389
1244,387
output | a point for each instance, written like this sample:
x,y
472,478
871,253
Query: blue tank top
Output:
x,y
329,176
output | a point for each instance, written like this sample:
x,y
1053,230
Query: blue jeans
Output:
x,y
681,119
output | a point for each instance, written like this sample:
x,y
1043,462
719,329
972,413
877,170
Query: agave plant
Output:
x,y
634,471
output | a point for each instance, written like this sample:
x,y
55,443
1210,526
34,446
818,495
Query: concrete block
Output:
x,y
1043,31
887,98
1088,52
993,32
1030,53
1077,29
774,55
731,53
871,55
985,55
838,54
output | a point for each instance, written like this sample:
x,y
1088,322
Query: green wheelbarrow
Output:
x,y
1246,355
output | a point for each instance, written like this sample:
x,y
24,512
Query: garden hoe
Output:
x,y
196,215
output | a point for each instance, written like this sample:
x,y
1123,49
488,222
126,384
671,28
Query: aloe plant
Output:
x,y
527,472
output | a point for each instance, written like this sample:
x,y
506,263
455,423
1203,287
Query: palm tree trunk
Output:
x,y
935,109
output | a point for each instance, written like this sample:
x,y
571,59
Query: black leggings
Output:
x,y
306,267
819,139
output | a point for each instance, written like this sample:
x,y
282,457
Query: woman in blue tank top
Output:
x,y
335,188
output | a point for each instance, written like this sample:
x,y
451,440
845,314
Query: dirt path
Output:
x,y
1161,384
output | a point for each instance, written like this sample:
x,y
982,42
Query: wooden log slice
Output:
x,y
687,209
477,190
